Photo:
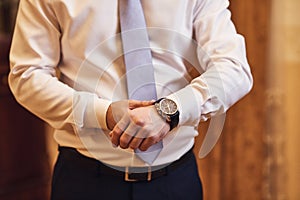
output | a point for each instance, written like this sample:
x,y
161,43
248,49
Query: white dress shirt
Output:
x,y
67,67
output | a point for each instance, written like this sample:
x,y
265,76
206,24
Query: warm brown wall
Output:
x,y
257,156
284,84
236,168
24,168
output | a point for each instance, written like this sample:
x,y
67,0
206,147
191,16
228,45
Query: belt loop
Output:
x,y
126,178
149,177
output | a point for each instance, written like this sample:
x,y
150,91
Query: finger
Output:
x,y
115,134
118,130
144,139
135,103
135,143
146,143
153,138
128,135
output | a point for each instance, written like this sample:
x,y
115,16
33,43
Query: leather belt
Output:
x,y
135,174
131,174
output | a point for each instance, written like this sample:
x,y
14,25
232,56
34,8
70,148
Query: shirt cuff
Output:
x,y
95,113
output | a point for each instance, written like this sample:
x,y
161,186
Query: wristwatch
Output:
x,y
168,110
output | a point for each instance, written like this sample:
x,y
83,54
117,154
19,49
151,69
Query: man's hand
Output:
x,y
140,128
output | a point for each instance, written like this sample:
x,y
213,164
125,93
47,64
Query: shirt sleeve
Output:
x,y
221,54
35,54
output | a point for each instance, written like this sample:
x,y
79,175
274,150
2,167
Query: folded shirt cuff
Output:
x,y
95,112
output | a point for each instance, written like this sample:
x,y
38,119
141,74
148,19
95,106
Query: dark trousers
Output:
x,y
79,177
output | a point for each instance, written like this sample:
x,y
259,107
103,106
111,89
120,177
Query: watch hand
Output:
x,y
169,109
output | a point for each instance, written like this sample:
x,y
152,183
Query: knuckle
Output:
x,y
140,122
151,140
133,146
136,120
147,130
116,132
143,148
123,142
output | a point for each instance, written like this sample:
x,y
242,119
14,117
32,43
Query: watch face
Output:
x,y
168,106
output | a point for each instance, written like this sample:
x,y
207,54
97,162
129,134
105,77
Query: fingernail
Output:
x,y
114,146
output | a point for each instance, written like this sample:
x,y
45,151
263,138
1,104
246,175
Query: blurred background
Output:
x,y
257,155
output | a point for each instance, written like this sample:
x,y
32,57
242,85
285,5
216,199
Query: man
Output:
x,y
67,67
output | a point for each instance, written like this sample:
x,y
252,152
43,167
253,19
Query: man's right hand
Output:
x,y
117,109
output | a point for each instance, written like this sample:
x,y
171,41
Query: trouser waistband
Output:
x,y
133,174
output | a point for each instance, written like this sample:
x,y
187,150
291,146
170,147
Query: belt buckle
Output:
x,y
127,173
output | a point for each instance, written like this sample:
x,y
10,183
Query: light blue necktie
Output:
x,y
138,61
